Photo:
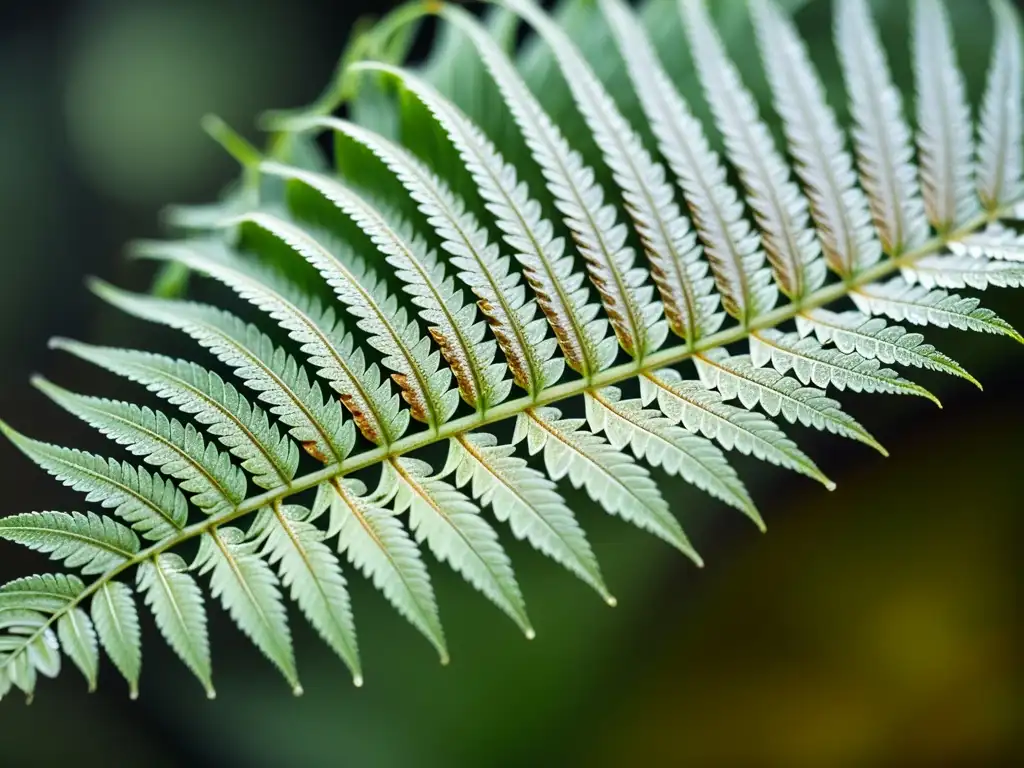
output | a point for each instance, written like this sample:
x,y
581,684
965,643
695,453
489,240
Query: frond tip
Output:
x,y
391,305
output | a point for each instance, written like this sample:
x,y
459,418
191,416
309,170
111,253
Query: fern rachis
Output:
x,y
371,375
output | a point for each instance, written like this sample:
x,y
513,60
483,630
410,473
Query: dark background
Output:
x,y
876,625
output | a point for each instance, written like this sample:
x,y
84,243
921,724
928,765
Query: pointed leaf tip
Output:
x,y
59,342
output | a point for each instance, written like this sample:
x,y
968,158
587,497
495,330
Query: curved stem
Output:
x,y
508,409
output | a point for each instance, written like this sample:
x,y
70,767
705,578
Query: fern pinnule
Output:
x,y
547,267
317,330
1001,126
881,134
781,210
838,206
627,299
268,370
944,130
304,402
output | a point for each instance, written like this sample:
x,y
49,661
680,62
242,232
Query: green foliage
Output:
x,y
585,246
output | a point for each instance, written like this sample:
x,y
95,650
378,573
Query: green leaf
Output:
x,y
315,329
510,317
452,526
85,541
738,377
312,573
78,639
817,143
653,437
525,499
424,385
581,335
244,430
152,505
28,649
781,210
916,304
177,606
964,271
703,412
265,368
452,324
873,338
46,593
248,590
377,544
177,450
881,135
824,367
1000,154
610,477
945,135
117,625
636,318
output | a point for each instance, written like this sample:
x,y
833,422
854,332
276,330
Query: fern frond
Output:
x,y
582,336
45,593
244,430
175,449
679,272
610,477
312,573
812,363
996,242
264,368
916,304
873,338
116,620
455,531
86,541
527,500
653,437
178,608
152,506
739,378
781,210
249,591
417,372
701,411
452,324
611,172
500,297
964,271
1001,124
945,136
378,545
77,638
881,134
321,337
635,317
838,206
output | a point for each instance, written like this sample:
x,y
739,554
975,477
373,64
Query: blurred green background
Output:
x,y
877,625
